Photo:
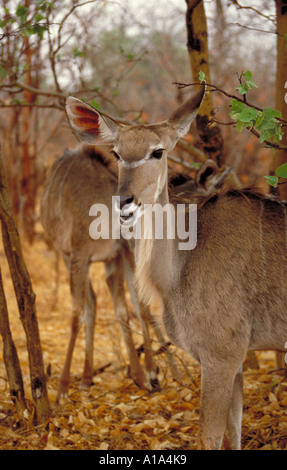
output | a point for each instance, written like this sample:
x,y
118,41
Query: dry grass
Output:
x,y
114,414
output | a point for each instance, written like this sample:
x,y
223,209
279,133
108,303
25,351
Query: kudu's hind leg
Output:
x,y
78,269
150,365
164,344
115,282
90,318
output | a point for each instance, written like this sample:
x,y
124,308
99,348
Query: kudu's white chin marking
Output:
x,y
130,214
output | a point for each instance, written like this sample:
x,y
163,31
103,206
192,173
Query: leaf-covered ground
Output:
x,y
115,414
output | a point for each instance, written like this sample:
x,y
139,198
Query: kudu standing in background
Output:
x,y
224,297
76,181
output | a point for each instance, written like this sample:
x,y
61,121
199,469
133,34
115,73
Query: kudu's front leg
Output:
x,y
232,439
221,406
144,317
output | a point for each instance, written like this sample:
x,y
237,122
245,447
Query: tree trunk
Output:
x,y
29,173
26,301
280,156
11,359
197,44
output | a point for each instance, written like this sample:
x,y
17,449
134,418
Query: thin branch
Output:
x,y
17,32
32,105
240,7
192,150
51,56
37,91
230,123
190,166
215,88
77,5
256,29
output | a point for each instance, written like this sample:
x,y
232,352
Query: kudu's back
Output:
x,y
76,181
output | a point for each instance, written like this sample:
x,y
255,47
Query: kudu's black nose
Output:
x,y
125,200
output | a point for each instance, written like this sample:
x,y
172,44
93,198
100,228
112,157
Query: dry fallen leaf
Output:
x,y
114,414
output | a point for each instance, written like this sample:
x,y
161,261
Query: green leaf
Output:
x,y
248,115
39,17
3,23
282,171
195,165
242,88
95,104
278,134
259,118
201,76
22,12
77,53
3,72
239,126
238,106
266,134
272,180
270,113
45,5
251,84
247,75
266,121
17,101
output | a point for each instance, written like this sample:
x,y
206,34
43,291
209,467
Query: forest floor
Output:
x,y
114,414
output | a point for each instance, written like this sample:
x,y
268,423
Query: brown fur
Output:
x,y
228,294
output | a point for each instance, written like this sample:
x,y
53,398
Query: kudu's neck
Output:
x,y
157,258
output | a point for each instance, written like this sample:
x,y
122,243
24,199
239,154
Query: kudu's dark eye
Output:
x,y
157,154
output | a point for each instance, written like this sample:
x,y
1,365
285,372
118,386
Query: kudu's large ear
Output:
x,y
89,125
206,173
182,118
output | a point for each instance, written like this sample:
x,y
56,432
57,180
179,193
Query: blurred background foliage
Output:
x,y
123,58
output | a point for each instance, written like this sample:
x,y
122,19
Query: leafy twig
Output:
x,y
249,116
214,88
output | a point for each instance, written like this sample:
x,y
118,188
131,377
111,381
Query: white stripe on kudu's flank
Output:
x,y
261,237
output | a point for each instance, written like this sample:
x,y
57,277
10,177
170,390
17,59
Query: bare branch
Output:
x,y
37,91
32,105
240,7
256,29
